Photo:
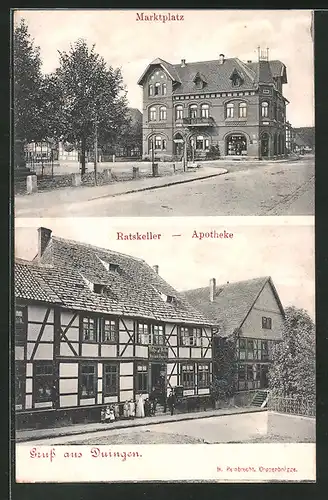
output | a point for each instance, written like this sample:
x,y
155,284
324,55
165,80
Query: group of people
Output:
x,y
136,409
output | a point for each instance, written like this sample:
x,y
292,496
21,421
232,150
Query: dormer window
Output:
x,y
169,299
236,78
114,267
199,81
98,288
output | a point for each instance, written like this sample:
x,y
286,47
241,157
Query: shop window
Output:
x,y
179,112
141,378
20,377
20,325
265,109
152,114
203,375
242,110
88,381
188,376
229,110
110,379
266,323
236,145
162,113
43,382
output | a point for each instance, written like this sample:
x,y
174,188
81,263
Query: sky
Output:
x,y
131,45
261,246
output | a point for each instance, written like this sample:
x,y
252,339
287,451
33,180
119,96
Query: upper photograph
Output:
x,y
130,113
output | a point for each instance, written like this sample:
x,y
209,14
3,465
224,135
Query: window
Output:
x,y
162,113
193,111
89,329
20,325
265,110
242,348
158,142
190,337
143,333
242,110
20,376
265,350
205,111
43,382
179,112
250,349
200,142
266,323
241,376
158,335
110,379
109,331
157,88
150,90
229,110
88,381
203,375
141,378
188,376
152,114
163,88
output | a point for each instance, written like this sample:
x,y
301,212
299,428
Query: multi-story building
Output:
x,y
94,326
252,310
225,105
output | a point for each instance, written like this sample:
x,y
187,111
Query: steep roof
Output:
x,y
132,287
232,302
30,285
217,76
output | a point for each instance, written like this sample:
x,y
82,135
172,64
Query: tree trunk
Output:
x,y
83,148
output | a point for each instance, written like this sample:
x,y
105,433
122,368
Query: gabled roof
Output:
x,y
166,66
30,285
67,267
232,302
217,76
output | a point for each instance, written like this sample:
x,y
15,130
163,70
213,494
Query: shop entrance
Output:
x,y
236,145
264,383
264,145
158,380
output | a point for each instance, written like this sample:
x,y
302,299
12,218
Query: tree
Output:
x,y
224,366
89,99
292,372
27,78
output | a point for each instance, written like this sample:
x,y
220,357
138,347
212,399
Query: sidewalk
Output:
x,y
46,199
35,434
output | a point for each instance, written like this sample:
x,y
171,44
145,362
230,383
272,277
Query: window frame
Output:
x,y
20,378
191,384
192,334
242,110
266,323
193,111
178,108
89,318
164,89
44,376
157,88
21,328
206,383
205,108
152,114
229,110
82,365
264,109
114,387
112,322
150,90
144,377
162,113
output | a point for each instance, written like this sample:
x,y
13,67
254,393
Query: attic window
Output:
x,y
98,288
169,299
199,83
114,267
236,79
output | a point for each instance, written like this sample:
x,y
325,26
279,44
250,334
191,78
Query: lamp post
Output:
x,y
96,150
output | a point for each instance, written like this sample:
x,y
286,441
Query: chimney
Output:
x,y
221,58
44,238
249,61
183,63
212,289
156,268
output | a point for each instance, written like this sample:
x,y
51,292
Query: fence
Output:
x,y
294,405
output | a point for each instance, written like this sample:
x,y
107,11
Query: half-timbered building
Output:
x,y
94,326
251,310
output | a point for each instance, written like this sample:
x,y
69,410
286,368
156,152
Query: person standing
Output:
x,y
140,411
171,401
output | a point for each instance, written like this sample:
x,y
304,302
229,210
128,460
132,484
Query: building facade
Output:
x,y
94,327
252,310
225,106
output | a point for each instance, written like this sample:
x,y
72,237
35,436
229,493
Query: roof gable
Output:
x,y
167,67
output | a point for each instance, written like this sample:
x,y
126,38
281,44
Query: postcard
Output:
x,y
164,278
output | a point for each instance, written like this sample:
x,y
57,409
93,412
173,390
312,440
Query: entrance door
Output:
x,y
264,377
265,145
236,145
158,379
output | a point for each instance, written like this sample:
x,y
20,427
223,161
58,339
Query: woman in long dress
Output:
x,y
140,409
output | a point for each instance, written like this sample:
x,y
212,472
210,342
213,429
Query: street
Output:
x,y
246,427
273,188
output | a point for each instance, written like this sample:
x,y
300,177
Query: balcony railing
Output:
x,y
197,122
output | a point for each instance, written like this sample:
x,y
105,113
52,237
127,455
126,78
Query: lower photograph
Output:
x,y
195,333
